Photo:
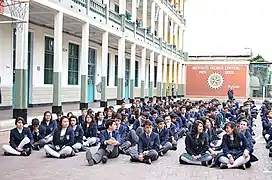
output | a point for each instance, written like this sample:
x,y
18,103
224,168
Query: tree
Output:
x,y
258,58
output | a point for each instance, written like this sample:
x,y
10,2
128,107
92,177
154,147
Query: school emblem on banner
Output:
x,y
215,80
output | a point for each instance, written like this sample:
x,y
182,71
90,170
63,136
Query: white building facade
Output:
x,y
91,50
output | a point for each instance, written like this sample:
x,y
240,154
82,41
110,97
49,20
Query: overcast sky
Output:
x,y
228,27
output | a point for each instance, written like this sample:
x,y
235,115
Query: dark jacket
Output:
x,y
78,134
90,131
102,126
123,132
196,146
152,143
66,140
50,128
105,135
39,135
163,134
15,137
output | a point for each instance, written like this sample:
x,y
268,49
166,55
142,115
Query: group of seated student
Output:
x,y
217,134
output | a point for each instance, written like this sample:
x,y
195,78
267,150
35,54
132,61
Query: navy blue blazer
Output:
x,y
78,134
136,124
15,137
266,124
80,120
172,129
123,132
90,131
229,147
37,136
102,126
163,134
249,140
151,143
105,135
196,146
66,140
50,128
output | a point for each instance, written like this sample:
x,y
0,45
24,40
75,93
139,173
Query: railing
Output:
x,y
149,37
115,17
169,47
175,11
97,7
157,40
129,25
163,44
140,32
81,2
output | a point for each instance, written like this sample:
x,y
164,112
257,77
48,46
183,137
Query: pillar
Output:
x,y
21,72
183,80
180,35
122,7
58,20
175,79
144,13
170,79
176,35
164,77
151,83
83,66
166,25
171,32
105,45
159,77
133,10
121,70
160,24
179,94
132,72
153,14
143,61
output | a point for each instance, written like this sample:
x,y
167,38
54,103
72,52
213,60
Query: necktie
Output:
x,y
110,134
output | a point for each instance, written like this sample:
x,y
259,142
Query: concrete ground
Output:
x,y
38,167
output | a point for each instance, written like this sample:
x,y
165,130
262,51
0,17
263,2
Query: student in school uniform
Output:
x,y
81,118
69,114
89,127
213,139
122,130
137,125
63,140
163,133
266,125
110,114
110,140
59,115
148,145
50,125
78,132
196,146
173,136
20,140
236,149
38,133
100,121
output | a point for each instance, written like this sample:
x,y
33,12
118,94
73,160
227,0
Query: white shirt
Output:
x,y
63,131
20,130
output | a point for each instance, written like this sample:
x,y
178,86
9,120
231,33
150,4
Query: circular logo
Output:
x,y
215,80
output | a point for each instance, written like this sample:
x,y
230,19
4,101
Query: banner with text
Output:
x,y
213,80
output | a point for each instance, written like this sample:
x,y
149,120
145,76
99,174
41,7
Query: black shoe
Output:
x,y
36,148
204,163
28,151
76,150
248,164
104,159
182,162
223,166
270,154
147,161
133,160
89,158
243,167
62,156
7,154
23,153
174,148
270,149
83,149
161,153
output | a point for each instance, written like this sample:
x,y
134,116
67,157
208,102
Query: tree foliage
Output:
x,y
258,58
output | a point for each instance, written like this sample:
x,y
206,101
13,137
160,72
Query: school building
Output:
x,y
90,50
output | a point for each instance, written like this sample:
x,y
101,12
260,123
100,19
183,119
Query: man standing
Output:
x,y
230,93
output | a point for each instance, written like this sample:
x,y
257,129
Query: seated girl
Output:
x,y
63,139
89,127
20,140
197,147
100,121
50,125
78,131
213,140
236,149
38,133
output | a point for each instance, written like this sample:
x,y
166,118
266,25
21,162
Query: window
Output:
x,y
73,64
155,76
108,70
48,60
116,8
116,70
136,73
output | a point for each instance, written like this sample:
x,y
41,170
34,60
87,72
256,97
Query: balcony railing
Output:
x,y
129,25
97,7
140,32
174,10
115,17
157,40
81,2
149,37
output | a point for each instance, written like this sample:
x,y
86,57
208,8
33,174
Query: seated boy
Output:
x,y
20,140
148,145
110,140
38,133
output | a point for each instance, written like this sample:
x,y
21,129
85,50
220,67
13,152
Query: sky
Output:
x,y
227,27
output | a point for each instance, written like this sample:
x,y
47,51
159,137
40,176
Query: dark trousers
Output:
x,y
152,154
110,151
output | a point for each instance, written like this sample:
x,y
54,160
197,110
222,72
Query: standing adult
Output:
x,y
231,93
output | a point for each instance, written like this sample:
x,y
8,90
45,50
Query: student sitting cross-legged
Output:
x,y
172,131
50,125
197,146
148,145
163,132
20,140
236,149
38,133
63,139
78,131
110,140
89,127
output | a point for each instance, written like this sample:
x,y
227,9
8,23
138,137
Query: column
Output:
x,y
144,13
183,79
170,83
159,77
166,25
133,10
180,35
143,61
175,79
164,77
122,7
21,72
176,35
104,72
153,14
57,63
151,84
160,24
83,66
121,70
179,94
171,32
132,72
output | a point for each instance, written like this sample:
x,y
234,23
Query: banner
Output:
x,y
213,80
